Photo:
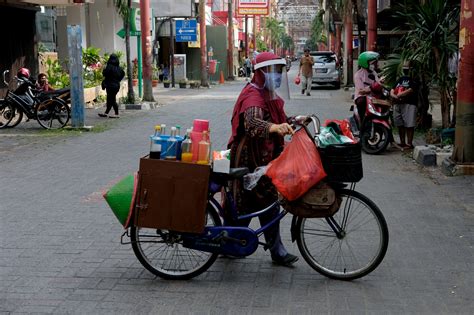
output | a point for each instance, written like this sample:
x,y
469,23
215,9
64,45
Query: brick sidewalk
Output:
x,y
60,250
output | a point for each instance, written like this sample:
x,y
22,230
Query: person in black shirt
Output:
x,y
113,74
405,94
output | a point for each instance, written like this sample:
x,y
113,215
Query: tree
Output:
x,y
277,29
317,28
432,39
124,10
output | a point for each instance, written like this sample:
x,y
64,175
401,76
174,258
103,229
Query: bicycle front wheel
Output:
x,y
348,245
163,254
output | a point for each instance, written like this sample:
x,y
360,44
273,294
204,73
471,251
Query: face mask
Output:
x,y
372,67
272,80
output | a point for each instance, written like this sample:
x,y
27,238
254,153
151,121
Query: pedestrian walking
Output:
x,y
259,124
113,74
405,94
306,70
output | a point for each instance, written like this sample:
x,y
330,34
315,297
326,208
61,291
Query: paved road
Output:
x,y
60,250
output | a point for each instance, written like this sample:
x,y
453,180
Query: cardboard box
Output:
x,y
172,195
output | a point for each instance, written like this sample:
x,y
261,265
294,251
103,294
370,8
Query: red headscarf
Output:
x,y
255,95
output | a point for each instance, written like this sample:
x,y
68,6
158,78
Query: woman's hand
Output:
x,y
282,129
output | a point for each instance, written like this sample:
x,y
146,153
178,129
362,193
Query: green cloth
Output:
x,y
120,196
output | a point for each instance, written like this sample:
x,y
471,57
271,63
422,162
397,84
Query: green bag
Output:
x,y
121,198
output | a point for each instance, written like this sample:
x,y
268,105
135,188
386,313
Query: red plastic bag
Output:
x,y
297,80
298,168
344,125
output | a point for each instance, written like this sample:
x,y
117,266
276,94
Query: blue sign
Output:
x,y
186,30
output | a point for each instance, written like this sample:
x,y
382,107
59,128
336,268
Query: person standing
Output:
x,y
248,67
405,94
113,74
259,124
306,70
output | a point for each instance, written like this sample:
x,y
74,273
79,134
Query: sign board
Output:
x,y
135,25
180,66
253,7
186,30
121,33
197,43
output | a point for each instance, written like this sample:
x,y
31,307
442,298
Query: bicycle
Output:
x,y
345,246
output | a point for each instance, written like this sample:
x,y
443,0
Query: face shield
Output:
x,y
276,78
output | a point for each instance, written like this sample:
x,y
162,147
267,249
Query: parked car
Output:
x,y
326,68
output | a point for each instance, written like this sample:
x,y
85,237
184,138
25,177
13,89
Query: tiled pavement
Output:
x,y
60,250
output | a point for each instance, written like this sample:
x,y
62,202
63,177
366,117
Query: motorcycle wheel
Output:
x,y
376,144
17,118
6,114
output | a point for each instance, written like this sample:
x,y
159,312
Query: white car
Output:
x,y
326,68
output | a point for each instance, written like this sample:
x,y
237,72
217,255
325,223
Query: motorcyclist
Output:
x,y
363,79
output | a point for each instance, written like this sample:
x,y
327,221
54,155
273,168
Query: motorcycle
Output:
x,y
50,109
374,128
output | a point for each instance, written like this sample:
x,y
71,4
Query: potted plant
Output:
x,y
154,76
182,83
166,83
194,84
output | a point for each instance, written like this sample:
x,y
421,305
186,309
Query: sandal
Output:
x,y
287,261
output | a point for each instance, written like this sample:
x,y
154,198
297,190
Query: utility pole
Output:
x,y
348,49
372,25
203,42
246,36
74,39
230,39
464,137
147,46
173,81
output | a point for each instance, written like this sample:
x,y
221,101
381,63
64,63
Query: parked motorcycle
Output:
x,y
374,130
50,109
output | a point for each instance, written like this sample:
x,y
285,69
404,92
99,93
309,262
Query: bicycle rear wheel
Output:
x,y
6,114
348,245
163,254
53,115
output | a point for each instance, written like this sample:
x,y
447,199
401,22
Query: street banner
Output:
x,y
252,7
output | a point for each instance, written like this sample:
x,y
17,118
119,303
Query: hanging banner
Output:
x,y
252,7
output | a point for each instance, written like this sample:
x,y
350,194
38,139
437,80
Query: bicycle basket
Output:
x,y
319,202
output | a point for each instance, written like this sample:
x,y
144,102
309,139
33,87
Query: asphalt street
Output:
x,y
60,248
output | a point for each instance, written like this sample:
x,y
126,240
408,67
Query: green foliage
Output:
x,y
261,45
154,72
58,78
431,40
91,56
317,28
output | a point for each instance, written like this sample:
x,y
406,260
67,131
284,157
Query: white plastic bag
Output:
x,y
251,179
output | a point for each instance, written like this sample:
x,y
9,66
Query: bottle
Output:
x,y
155,145
164,141
204,149
178,130
172,146
187,148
